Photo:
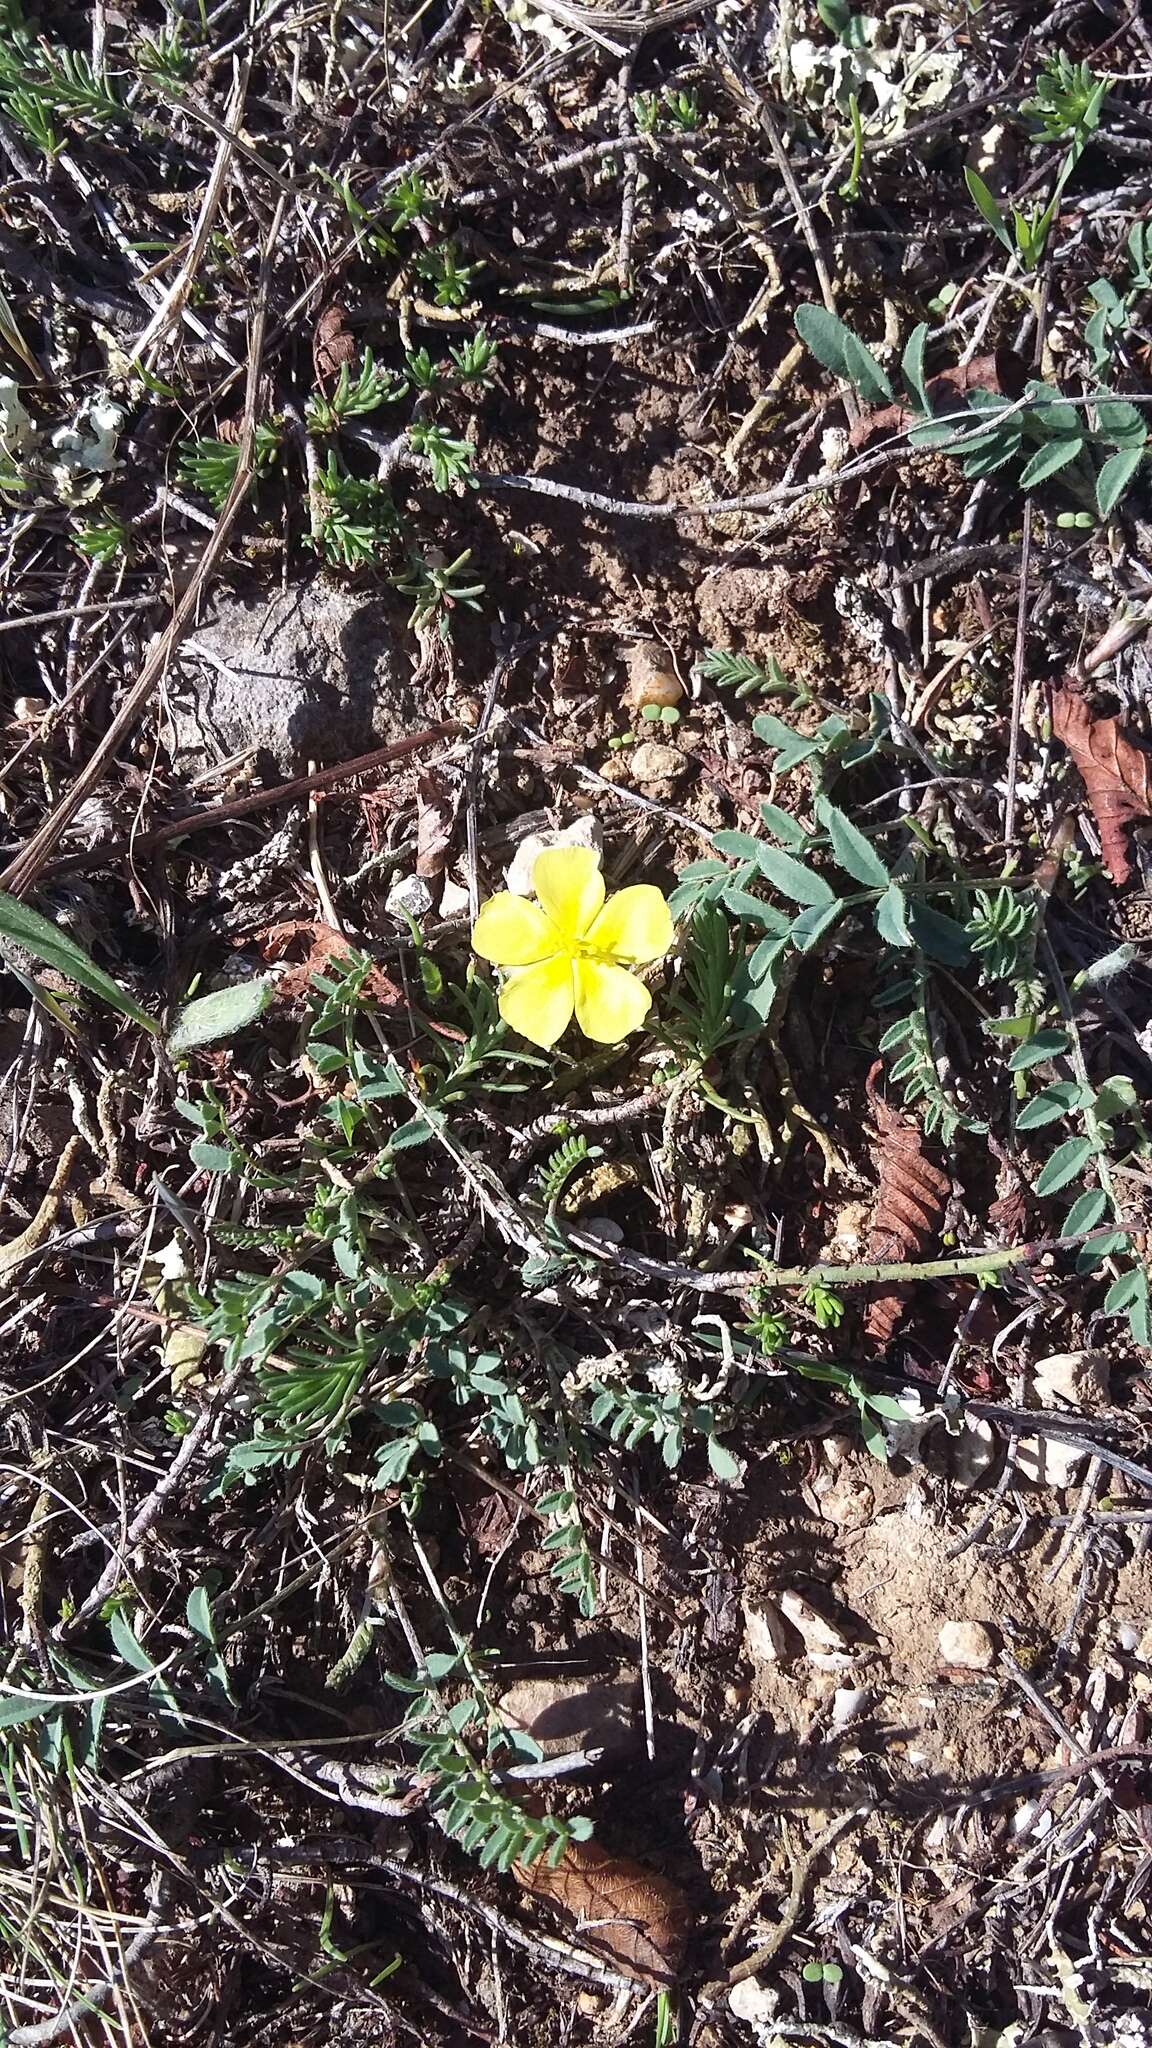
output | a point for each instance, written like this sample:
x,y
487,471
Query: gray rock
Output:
x,y
311,673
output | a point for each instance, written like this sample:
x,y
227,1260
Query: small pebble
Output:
x,y
1080,1378
765,1637
818,1632
1048,1461
410,894
967,1645
651,761
652,679
584,831
753,2001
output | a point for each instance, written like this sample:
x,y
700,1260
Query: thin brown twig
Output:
x,y
256,800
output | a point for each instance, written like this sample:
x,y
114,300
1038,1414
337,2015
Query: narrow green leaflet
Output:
x,y
1045,1045
1059,1100
1115,477
737,845
988,207
15,1712
128,1643
855,854
809,928
835,345
892,917
1048,460
940,935
912,365
1129,1295
792,878
38,935
1066,1162
1086,1212
783,826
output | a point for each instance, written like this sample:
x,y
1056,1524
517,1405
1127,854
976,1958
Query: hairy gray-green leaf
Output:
x,y
892,919
855,854
1115,477
792,878
222,1014
1066,1162
835,345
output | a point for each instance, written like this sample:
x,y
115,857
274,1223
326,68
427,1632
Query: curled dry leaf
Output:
x,y
324,947
1117,775
1002,373
333,345
909,1205
437,803
636,1919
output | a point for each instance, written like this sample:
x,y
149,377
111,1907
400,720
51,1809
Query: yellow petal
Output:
x,y
538,1001
610,1002
569,887
512,933
634,925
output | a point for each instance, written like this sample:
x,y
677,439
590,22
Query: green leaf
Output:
x,y
1121,424
1086,1212
223,1014
416,1132
940,936
15,1712
1048,460
783,825
129,1647
809,928
198,1614
740,904
892,919
988,207
874,1437
1115,477
1045,1045
211,1158
47,942
725,1467
1130,1292
852,851
1115,1097
792,878
737,845
843,352
1051,1103
912,365
1066,1162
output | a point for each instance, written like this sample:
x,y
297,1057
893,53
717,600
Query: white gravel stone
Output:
x,y
968,1645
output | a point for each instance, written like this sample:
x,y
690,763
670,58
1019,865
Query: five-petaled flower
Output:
x,y
570,952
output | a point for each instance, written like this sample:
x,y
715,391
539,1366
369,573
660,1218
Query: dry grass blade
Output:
x,y
623,1911
1116,775
909,1206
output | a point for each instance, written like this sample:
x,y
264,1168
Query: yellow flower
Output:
x,y
570,951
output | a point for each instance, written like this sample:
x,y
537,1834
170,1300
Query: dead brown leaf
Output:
x,y
325,947
1002,373
437,803
1117,776
333,344
635,1918
909,1206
